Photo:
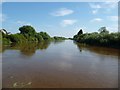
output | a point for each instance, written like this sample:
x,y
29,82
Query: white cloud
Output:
x,y
105,6
95,6
113,18
96,20
62,12
95,11
110,4
23,23
113,28
68,22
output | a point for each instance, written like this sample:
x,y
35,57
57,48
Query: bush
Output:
x,y
29,30
58,38
17,38
44,35
5,41
27,34
99,39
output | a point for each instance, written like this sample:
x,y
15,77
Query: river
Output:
x,y
63,64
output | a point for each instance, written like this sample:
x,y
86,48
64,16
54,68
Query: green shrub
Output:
x,y
100,39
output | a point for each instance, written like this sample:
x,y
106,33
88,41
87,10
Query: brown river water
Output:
x,y
59,65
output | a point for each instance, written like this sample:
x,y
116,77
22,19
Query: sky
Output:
x,y
60,18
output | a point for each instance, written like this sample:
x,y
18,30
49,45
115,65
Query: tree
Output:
x,y
103,30
44,35
17,38
80,32
27,30
39,37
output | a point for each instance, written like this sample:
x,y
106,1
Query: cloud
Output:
x,y
113,28
62,12
104,6
95,6
65,23
96,20
113,18
23,23
95,11
110,4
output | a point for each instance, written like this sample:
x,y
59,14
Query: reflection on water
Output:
x,y
59,65
28,48
98,50
58,41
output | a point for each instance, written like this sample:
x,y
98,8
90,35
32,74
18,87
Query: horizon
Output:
x,y
60,19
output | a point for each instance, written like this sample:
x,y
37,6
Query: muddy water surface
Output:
x,y
59,65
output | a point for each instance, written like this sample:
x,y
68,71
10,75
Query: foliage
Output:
x,y
3,39
29,30
80,32
44,35
58,38
6,41
103,30
16,38
39,37
27,34
100,39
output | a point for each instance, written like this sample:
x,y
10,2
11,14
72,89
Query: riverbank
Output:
x,y
27,34
104,39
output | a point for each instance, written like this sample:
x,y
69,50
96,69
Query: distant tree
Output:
x,y
29,30
17,38
80,32
39,37
103,30
44,35
59,38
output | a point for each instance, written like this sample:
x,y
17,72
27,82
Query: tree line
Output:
x,y
101,38
27,34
